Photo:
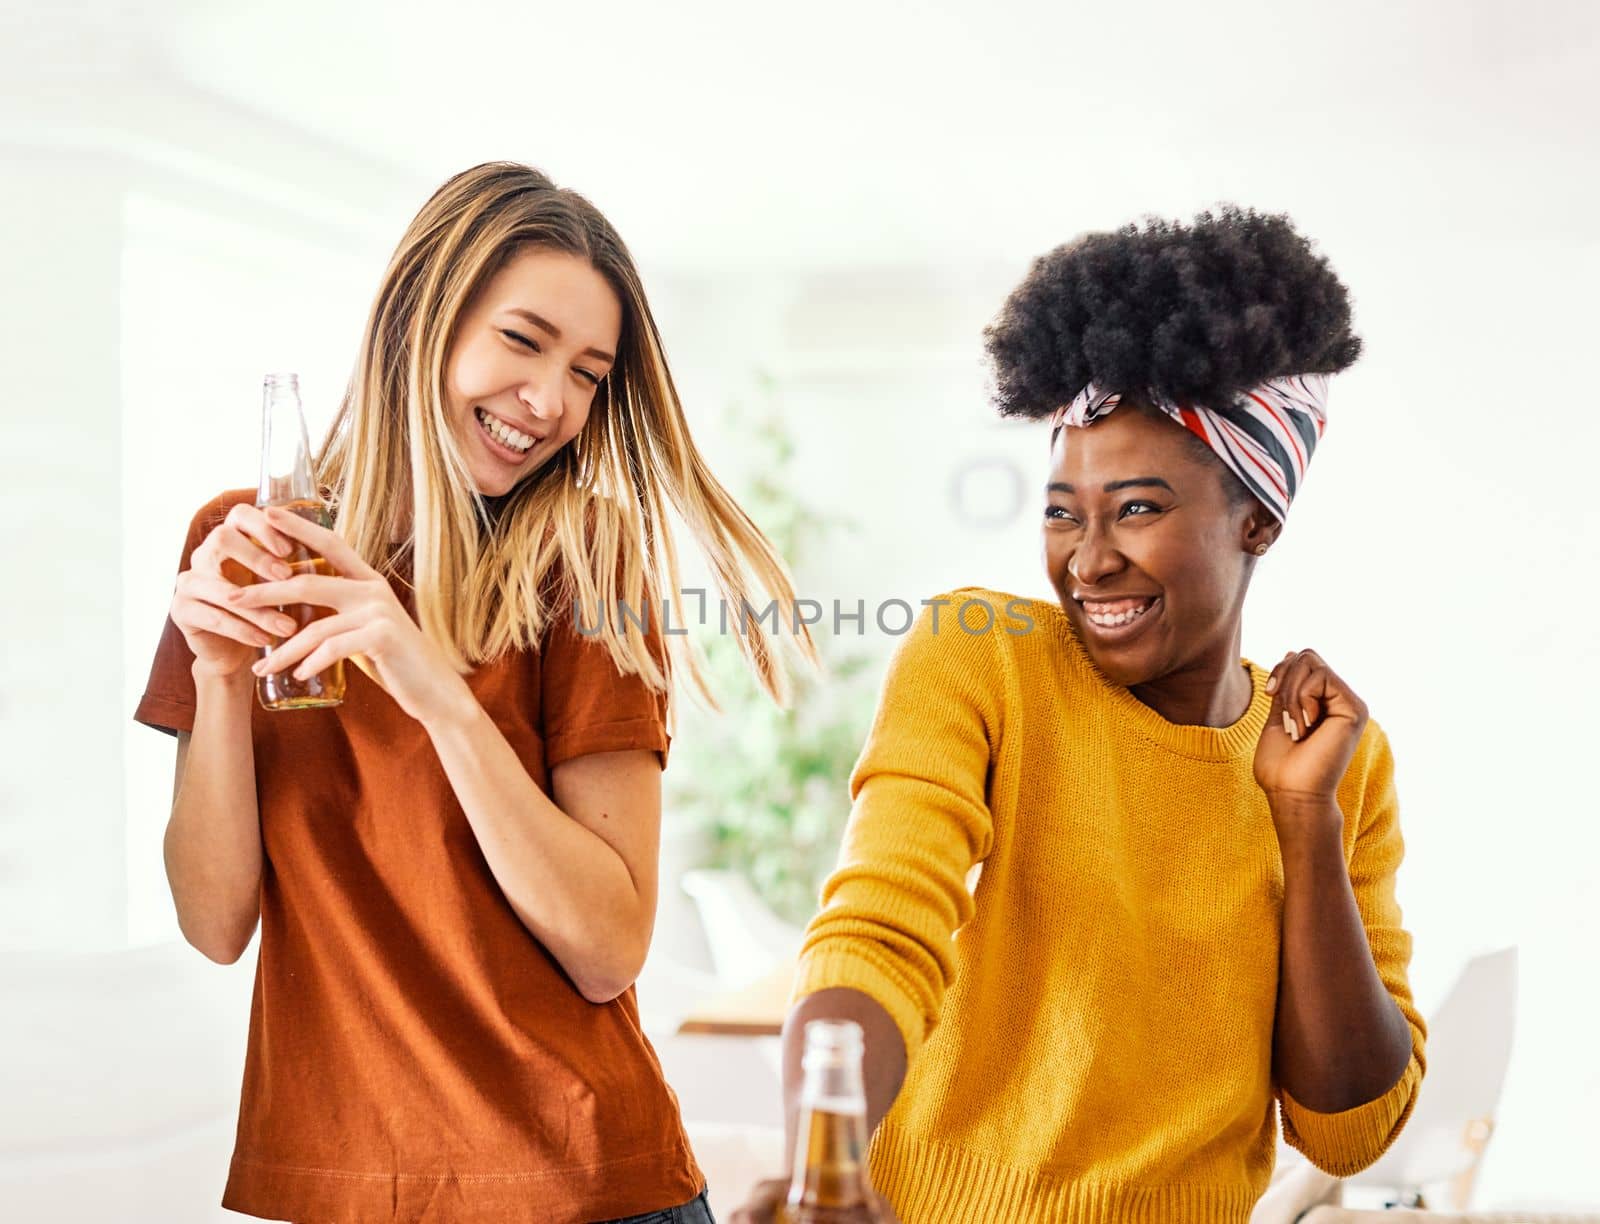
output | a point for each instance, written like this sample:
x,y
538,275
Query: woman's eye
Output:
x,y
589,376
1139,507
520,339
1058,514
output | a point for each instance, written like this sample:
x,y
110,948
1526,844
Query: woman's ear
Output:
x,y
1261,531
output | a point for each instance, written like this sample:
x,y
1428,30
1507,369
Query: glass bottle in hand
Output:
x,y
286,482
830,1178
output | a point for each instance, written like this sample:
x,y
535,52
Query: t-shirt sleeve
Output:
x,y
588,704
168,701
1345,1143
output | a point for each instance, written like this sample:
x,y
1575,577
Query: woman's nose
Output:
x,y
542,398
1094,560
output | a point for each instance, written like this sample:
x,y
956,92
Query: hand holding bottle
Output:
x,y
365,621
224,637
829,1184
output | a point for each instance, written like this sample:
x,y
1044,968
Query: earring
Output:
x,y
1261,550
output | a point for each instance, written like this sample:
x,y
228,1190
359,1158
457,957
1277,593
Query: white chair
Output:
x,y
748,941
1469,1047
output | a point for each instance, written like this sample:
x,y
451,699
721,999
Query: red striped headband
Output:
x,y
1266,437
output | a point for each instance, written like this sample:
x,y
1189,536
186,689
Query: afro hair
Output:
x,y
1187,313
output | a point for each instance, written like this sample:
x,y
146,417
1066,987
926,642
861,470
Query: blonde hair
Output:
x,y
590,526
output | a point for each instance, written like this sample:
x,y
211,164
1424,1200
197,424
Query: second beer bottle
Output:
x,y
287,482
830,1176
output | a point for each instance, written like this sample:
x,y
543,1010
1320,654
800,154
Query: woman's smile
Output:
x,y
1114,621
502,439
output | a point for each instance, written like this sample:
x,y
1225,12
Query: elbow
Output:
x,y
1342,1144
602,984
225,954
221,952
222,947
601,993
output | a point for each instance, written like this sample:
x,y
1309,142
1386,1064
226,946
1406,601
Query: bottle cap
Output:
x,y
833,1041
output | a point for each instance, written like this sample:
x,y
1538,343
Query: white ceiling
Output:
x,y
839,132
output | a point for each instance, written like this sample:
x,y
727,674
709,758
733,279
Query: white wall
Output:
x,y
62,877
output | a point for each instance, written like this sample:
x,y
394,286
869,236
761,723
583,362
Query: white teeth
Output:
x,y
1116,620
504,433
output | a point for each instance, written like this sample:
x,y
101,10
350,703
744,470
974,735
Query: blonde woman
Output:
x,y
454,871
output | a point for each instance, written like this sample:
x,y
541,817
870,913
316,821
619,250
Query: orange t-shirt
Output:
x,y
415,1054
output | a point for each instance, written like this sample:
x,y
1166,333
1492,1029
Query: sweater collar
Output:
x,y
1233,742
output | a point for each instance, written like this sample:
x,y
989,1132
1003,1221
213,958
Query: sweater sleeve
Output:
x,y
1344,1143
919,822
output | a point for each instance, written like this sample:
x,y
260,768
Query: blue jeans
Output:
x,y
696,1211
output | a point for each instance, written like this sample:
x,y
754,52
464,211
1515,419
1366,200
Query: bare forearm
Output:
x,y
212,846
883,1054
1340,1039
568,887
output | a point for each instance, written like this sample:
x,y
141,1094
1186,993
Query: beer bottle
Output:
x,y
286,482
829,1184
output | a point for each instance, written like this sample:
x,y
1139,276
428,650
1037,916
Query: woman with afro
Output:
x,y
1183,926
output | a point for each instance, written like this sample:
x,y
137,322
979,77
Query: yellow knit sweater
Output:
x,y
1089,1030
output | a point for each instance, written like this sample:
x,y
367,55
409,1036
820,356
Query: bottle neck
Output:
x,y
833,1082
286,476
831,1139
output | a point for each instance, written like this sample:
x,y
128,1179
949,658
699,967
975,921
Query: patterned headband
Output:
x,y
1266,438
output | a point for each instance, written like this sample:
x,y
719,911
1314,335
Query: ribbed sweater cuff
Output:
x,y
856,967
1344,1143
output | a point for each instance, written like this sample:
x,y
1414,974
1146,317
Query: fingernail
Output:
x,y
1309,718
1272,684
259,667
1288,725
